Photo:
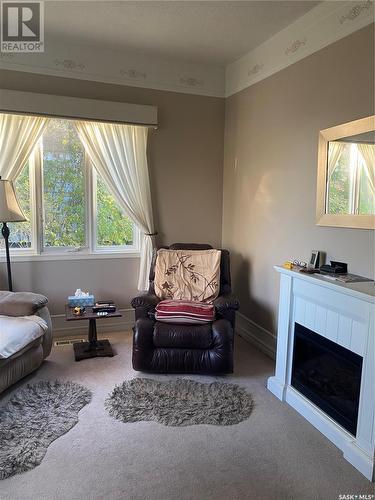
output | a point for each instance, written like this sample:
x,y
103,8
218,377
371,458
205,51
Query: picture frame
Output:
x,y
314,261
346,130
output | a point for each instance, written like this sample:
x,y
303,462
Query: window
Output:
x,y
21,232
349,189
339,185
64,203
68,206
112,228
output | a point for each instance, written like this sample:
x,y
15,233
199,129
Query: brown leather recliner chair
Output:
x,y
182,348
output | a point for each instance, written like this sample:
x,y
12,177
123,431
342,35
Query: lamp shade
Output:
x,y
10,211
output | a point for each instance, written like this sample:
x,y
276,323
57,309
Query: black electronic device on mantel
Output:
x,y
334,268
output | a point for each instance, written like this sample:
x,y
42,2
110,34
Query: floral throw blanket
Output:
x,y
188,275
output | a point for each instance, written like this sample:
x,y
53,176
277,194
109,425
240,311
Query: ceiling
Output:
x,y
208,32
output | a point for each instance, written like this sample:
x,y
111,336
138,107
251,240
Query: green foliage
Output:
x,y
339,187
113,227
64,186
20,232
64,197
366,198
338,193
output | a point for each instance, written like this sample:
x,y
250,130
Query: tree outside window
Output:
x,y
66,184
349,190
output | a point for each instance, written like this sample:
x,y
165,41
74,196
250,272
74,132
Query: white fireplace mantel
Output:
x,y
344,314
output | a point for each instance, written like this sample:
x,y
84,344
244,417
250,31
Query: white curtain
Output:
x,y
118,153
335,150
367,152
19,135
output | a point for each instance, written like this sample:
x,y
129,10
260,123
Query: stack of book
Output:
x,y
104,306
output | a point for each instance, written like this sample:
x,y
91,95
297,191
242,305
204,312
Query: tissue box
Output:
x,y
85,301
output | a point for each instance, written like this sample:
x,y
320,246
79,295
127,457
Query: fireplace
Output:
x,y
325,360
328,375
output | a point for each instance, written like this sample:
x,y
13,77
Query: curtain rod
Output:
x,y
66,117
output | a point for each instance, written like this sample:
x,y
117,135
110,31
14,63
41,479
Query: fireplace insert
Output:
x,y
328,375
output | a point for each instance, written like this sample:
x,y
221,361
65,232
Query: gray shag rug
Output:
x,y
179,402
35,416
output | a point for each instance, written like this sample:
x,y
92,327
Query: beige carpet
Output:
x,y
275,454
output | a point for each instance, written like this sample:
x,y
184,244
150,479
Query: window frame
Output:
x,y
90,250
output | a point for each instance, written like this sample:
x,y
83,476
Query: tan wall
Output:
x,y
269,176
270,160
185,159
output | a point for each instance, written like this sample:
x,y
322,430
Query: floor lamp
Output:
x,y
10,211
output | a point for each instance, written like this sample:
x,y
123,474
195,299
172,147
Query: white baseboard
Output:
x,y
276,387
63,328
261,338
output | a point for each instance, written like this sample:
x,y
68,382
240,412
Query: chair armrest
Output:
x,y
47,337
144,304
224,302
148,300
226,306
21,303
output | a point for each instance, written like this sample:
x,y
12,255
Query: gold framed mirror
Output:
x,y
346,175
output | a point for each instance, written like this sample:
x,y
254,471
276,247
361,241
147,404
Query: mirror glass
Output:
x,y
350,175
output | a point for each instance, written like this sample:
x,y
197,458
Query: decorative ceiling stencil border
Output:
x,y
325,24
119,68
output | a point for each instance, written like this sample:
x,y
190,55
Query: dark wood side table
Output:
x,y
93,348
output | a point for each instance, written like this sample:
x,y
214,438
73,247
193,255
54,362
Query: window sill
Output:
x,y
131,254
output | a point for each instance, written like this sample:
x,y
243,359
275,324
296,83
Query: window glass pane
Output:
x,y
20,232
113,228
339,185
366,196
63,186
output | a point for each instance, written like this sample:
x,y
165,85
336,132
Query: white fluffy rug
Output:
x,y
179,402
35,416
